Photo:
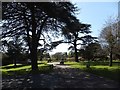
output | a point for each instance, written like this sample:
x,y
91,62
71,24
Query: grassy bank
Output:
x,y
101,70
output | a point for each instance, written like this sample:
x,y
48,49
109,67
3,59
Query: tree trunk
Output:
x,y
76,53
34,41
110,63
14,62
34,57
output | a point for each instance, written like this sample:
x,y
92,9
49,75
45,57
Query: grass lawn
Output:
x,y
101,70
23,69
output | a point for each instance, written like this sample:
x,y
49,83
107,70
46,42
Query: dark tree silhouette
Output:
x,y
32,19
91,51
72,34
14,48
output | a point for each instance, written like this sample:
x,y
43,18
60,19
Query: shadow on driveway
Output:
x,y
59,78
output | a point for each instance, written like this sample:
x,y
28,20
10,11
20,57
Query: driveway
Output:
x,y
61,77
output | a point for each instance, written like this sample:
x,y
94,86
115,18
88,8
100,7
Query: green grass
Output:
x,y
101,70
23,69
10,65
43,62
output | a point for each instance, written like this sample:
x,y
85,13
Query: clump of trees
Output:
x,y
77,34
59,56
107,46
34,20
38,22
13,50
91,51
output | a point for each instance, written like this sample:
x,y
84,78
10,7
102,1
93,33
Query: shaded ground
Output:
x,y
61,77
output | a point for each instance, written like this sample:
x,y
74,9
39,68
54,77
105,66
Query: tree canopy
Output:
x,y
31,19
77,34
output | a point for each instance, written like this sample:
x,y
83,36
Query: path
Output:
x,y
61,77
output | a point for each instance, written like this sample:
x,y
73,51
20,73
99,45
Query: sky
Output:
x,y
94,13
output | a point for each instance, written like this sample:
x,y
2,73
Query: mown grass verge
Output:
x,y
9,70
100,70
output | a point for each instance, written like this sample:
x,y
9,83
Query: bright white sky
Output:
x,y
94,13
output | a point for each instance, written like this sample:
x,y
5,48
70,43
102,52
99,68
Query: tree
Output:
x,y
91,51
110,36
14,48
59,55
117,44
32,19
72,34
